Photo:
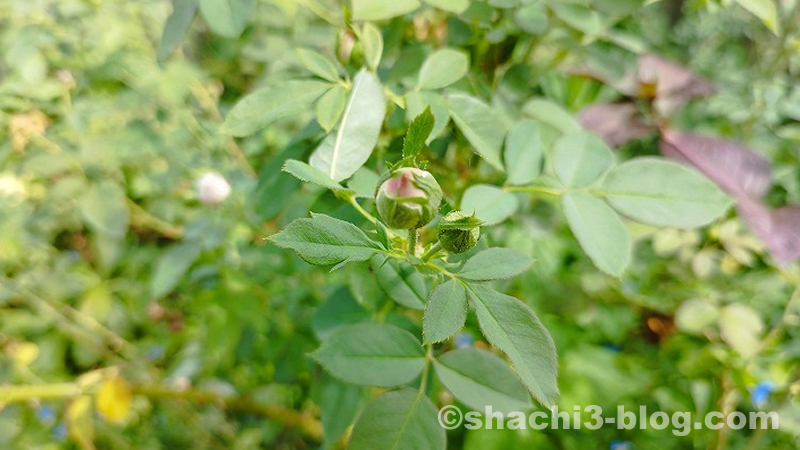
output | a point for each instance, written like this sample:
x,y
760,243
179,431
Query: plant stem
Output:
x,y
209,105
20,393
143,219
352,200
302,421
305,422
412,241
437,247
86,325
535,190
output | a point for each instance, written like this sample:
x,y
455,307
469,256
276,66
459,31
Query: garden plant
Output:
x,y
318,224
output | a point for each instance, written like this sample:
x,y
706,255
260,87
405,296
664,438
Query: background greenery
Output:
x,y
133,315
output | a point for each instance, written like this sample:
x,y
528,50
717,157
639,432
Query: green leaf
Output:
x,y
481,125
266,105
318,64
765,10
171,266
552,114
512,326
445,311
275,187
579,159
523,153
479,378
372,40
330,107
663,193
402,283
600,232
344,152
323,241
104,209
339,404
371,354
453,6
418,101
443,68
226,17
580,17
418,132
363,285
532,18
382,9
495,263
176,26
490,204
363,183
741,327
401,420
304,172
105,212
340,308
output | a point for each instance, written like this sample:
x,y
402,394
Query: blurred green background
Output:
x,y
137,314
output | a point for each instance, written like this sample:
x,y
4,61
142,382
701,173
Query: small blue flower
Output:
x,y
155,352
59,433
613,347
46,415
621,445
761,392
463,340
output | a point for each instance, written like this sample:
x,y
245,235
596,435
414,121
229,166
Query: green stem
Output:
x,y
302,421
10,394
352,200
535,190
437,247
412,241
143,219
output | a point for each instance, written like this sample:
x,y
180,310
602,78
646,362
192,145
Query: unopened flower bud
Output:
x,y
459,232
344,46
212,188
409,199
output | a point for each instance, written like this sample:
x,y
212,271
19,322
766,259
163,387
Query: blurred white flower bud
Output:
x,y
212,188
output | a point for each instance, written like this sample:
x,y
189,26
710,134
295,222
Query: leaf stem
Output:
x,y
352,200
535,190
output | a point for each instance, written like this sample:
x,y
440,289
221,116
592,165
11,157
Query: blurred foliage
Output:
x,y
135,315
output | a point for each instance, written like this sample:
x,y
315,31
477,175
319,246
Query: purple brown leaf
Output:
x,y
735,168
615,123
779,229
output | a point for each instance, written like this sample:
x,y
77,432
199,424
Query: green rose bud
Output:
x,y
459,232
409,198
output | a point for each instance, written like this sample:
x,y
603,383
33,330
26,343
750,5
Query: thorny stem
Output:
x,y
412,241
